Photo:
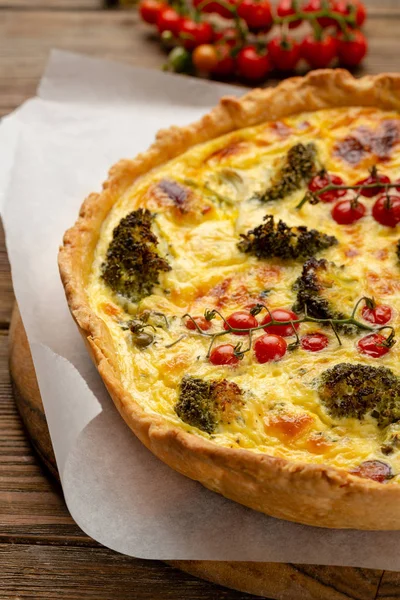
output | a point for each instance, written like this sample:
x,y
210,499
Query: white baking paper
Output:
x,y
54,151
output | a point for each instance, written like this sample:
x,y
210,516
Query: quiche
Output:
x,y
238,288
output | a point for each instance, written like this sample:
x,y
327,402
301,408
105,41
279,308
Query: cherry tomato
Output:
x,y
169,20
316,6
374,177
257,14
319,53
241,320
194,34
284,53
387,212
373,469
373,345
269,347
201,322
281,314
314,342
286,8
228,35
225,65
344,8
150,9
251,65
347,212
224,355
322,180
215,7
380,315
205,57
351,51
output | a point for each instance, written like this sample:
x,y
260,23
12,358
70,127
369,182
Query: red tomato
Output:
x,y
195,34
150,9
316,6
241,320
169,20
351,51
321,181
284,53
380,315
225,65
319,53
251,65
347,212
373,469
314,342
373,345
224,355
201,322
257,14
269,347
215,7
375,177
343,7
285,8
228,35
280,314
387,212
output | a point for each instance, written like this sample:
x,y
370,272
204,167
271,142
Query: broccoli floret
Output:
x,y
314,287
281,241
132,263
203,404
398,249
354,390
298,168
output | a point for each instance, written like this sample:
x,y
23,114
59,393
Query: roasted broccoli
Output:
x,y
354,390
298,168
203,404
281,241
398,249
132,263
315,291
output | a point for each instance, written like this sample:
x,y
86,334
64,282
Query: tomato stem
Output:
x,y
312,197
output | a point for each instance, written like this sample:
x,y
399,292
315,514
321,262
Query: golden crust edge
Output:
x,y
316,495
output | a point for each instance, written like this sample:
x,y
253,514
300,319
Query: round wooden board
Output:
x,y
272,580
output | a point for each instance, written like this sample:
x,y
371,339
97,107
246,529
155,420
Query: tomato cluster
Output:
x,y
386,209
240,43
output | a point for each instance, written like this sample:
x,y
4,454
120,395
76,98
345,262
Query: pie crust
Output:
x,y
316,495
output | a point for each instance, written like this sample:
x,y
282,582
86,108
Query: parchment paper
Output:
x,y
54,151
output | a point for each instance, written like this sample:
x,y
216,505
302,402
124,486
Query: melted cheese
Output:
x,y
282,414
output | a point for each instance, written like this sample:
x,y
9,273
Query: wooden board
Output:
x,y
280,581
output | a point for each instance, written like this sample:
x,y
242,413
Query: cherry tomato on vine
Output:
x,y
373,345
374,177
241,319
205,58
387,210
316,6
380,315
201,322
269,347
229,36
347,212
194,34
281,314
345,8
287,8
251,65
225,64
150,9
319,53
352,48
321,181
169,20
214,7
224,355
314,342
257,14
284,53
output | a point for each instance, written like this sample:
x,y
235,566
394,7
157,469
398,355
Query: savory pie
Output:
x,y
238,288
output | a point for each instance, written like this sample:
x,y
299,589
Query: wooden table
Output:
x,y
43,554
